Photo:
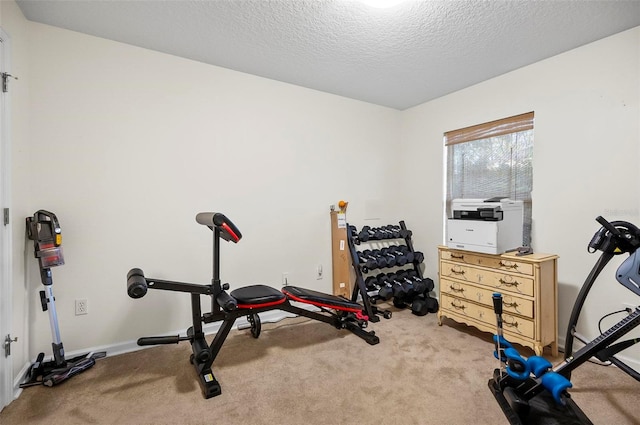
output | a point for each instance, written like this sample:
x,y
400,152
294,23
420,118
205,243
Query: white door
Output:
x,y
6,365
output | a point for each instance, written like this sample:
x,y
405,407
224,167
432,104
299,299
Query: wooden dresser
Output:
x,y
528,285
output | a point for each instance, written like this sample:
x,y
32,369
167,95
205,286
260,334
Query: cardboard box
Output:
x,y
341,255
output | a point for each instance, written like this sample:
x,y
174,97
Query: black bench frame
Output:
x,y
225,308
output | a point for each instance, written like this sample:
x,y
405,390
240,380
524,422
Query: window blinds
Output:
x,y
496,128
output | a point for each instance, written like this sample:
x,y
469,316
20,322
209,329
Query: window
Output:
x,y
490,160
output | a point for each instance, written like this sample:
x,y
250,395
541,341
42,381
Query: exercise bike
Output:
x,y
532,391
247,301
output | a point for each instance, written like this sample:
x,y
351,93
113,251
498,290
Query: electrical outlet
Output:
x,y
319,272
629,307
285,278
81,307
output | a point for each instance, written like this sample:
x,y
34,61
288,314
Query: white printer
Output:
x,y
491,226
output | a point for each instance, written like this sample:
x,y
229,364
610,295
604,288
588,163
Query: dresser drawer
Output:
x,y
494,262
511,324
484,296
513,283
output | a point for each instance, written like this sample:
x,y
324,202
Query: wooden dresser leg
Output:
x,y
538,349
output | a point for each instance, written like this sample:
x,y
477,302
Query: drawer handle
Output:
x,y
507,265
511,305
459,257
459,307
459,272
454,289
513,324
504,282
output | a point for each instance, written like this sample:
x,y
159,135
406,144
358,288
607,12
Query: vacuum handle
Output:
x,y
44,217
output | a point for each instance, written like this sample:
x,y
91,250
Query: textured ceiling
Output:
x,y
398,57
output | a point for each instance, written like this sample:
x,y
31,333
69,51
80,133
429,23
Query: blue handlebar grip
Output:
x,y
517,366
497,302
539,365
556,384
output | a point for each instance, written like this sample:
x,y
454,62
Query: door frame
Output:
x,y
6,272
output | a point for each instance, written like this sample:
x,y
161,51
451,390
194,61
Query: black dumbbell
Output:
x,y
389,259
393,230
401,257
400,302
371,283
422,306
388,232
416,285
419,307
426,281
375,254
407,252
402,288
368,233
388,284
402,233
430,285
413,287
364,234
432,304
370,260
386,290
385,232
419,285
418,257
367,261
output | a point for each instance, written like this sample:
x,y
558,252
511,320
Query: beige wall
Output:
x,y
143,141
126,145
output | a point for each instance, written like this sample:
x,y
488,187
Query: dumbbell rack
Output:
x,y
369,299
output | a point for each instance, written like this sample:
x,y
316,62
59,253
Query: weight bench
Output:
x,y
246,301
